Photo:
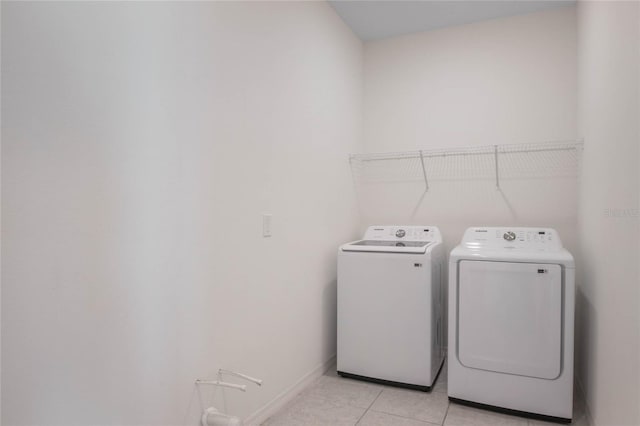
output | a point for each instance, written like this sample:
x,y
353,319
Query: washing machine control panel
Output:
x,y
403,233
513,238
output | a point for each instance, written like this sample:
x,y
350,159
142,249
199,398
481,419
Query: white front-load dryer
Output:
x,y
511,322
391,306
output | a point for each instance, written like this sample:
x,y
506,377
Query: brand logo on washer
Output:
x,y
417,265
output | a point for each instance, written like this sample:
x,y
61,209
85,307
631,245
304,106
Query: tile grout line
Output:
x,y
444,419
370,405
411,418
408,418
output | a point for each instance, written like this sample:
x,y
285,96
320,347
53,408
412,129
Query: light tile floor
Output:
x,y
336,401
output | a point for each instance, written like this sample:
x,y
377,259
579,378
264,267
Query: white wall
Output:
x,y
608,294
141,144
503,81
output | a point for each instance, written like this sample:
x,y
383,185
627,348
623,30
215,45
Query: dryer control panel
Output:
x,y
403,233
512,238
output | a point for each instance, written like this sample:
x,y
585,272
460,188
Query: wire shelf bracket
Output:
x,y
495,154
424,172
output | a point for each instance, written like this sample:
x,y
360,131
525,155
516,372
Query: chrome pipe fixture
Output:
x,y
242,388
242,376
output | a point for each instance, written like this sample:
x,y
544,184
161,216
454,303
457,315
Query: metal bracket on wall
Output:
x,y
424,172
495,151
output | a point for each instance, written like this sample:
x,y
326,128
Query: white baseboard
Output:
x,y
273,406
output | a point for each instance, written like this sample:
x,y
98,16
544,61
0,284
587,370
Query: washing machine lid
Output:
x,y
388,246
510,318
396,239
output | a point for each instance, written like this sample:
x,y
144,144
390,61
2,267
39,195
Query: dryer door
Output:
x,y
510,317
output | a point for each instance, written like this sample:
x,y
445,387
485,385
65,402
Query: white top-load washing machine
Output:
x,y
390,306
511,307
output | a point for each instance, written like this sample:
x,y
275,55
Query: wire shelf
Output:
x,y
486,163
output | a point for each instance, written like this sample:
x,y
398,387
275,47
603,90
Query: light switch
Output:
x,y
266,225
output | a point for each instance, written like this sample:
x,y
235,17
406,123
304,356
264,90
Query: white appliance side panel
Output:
x,y
438,311
384,316
510,317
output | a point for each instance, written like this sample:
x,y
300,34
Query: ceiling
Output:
x,y
378,19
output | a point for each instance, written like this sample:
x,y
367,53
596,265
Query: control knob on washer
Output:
x,y
509,236
400,233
